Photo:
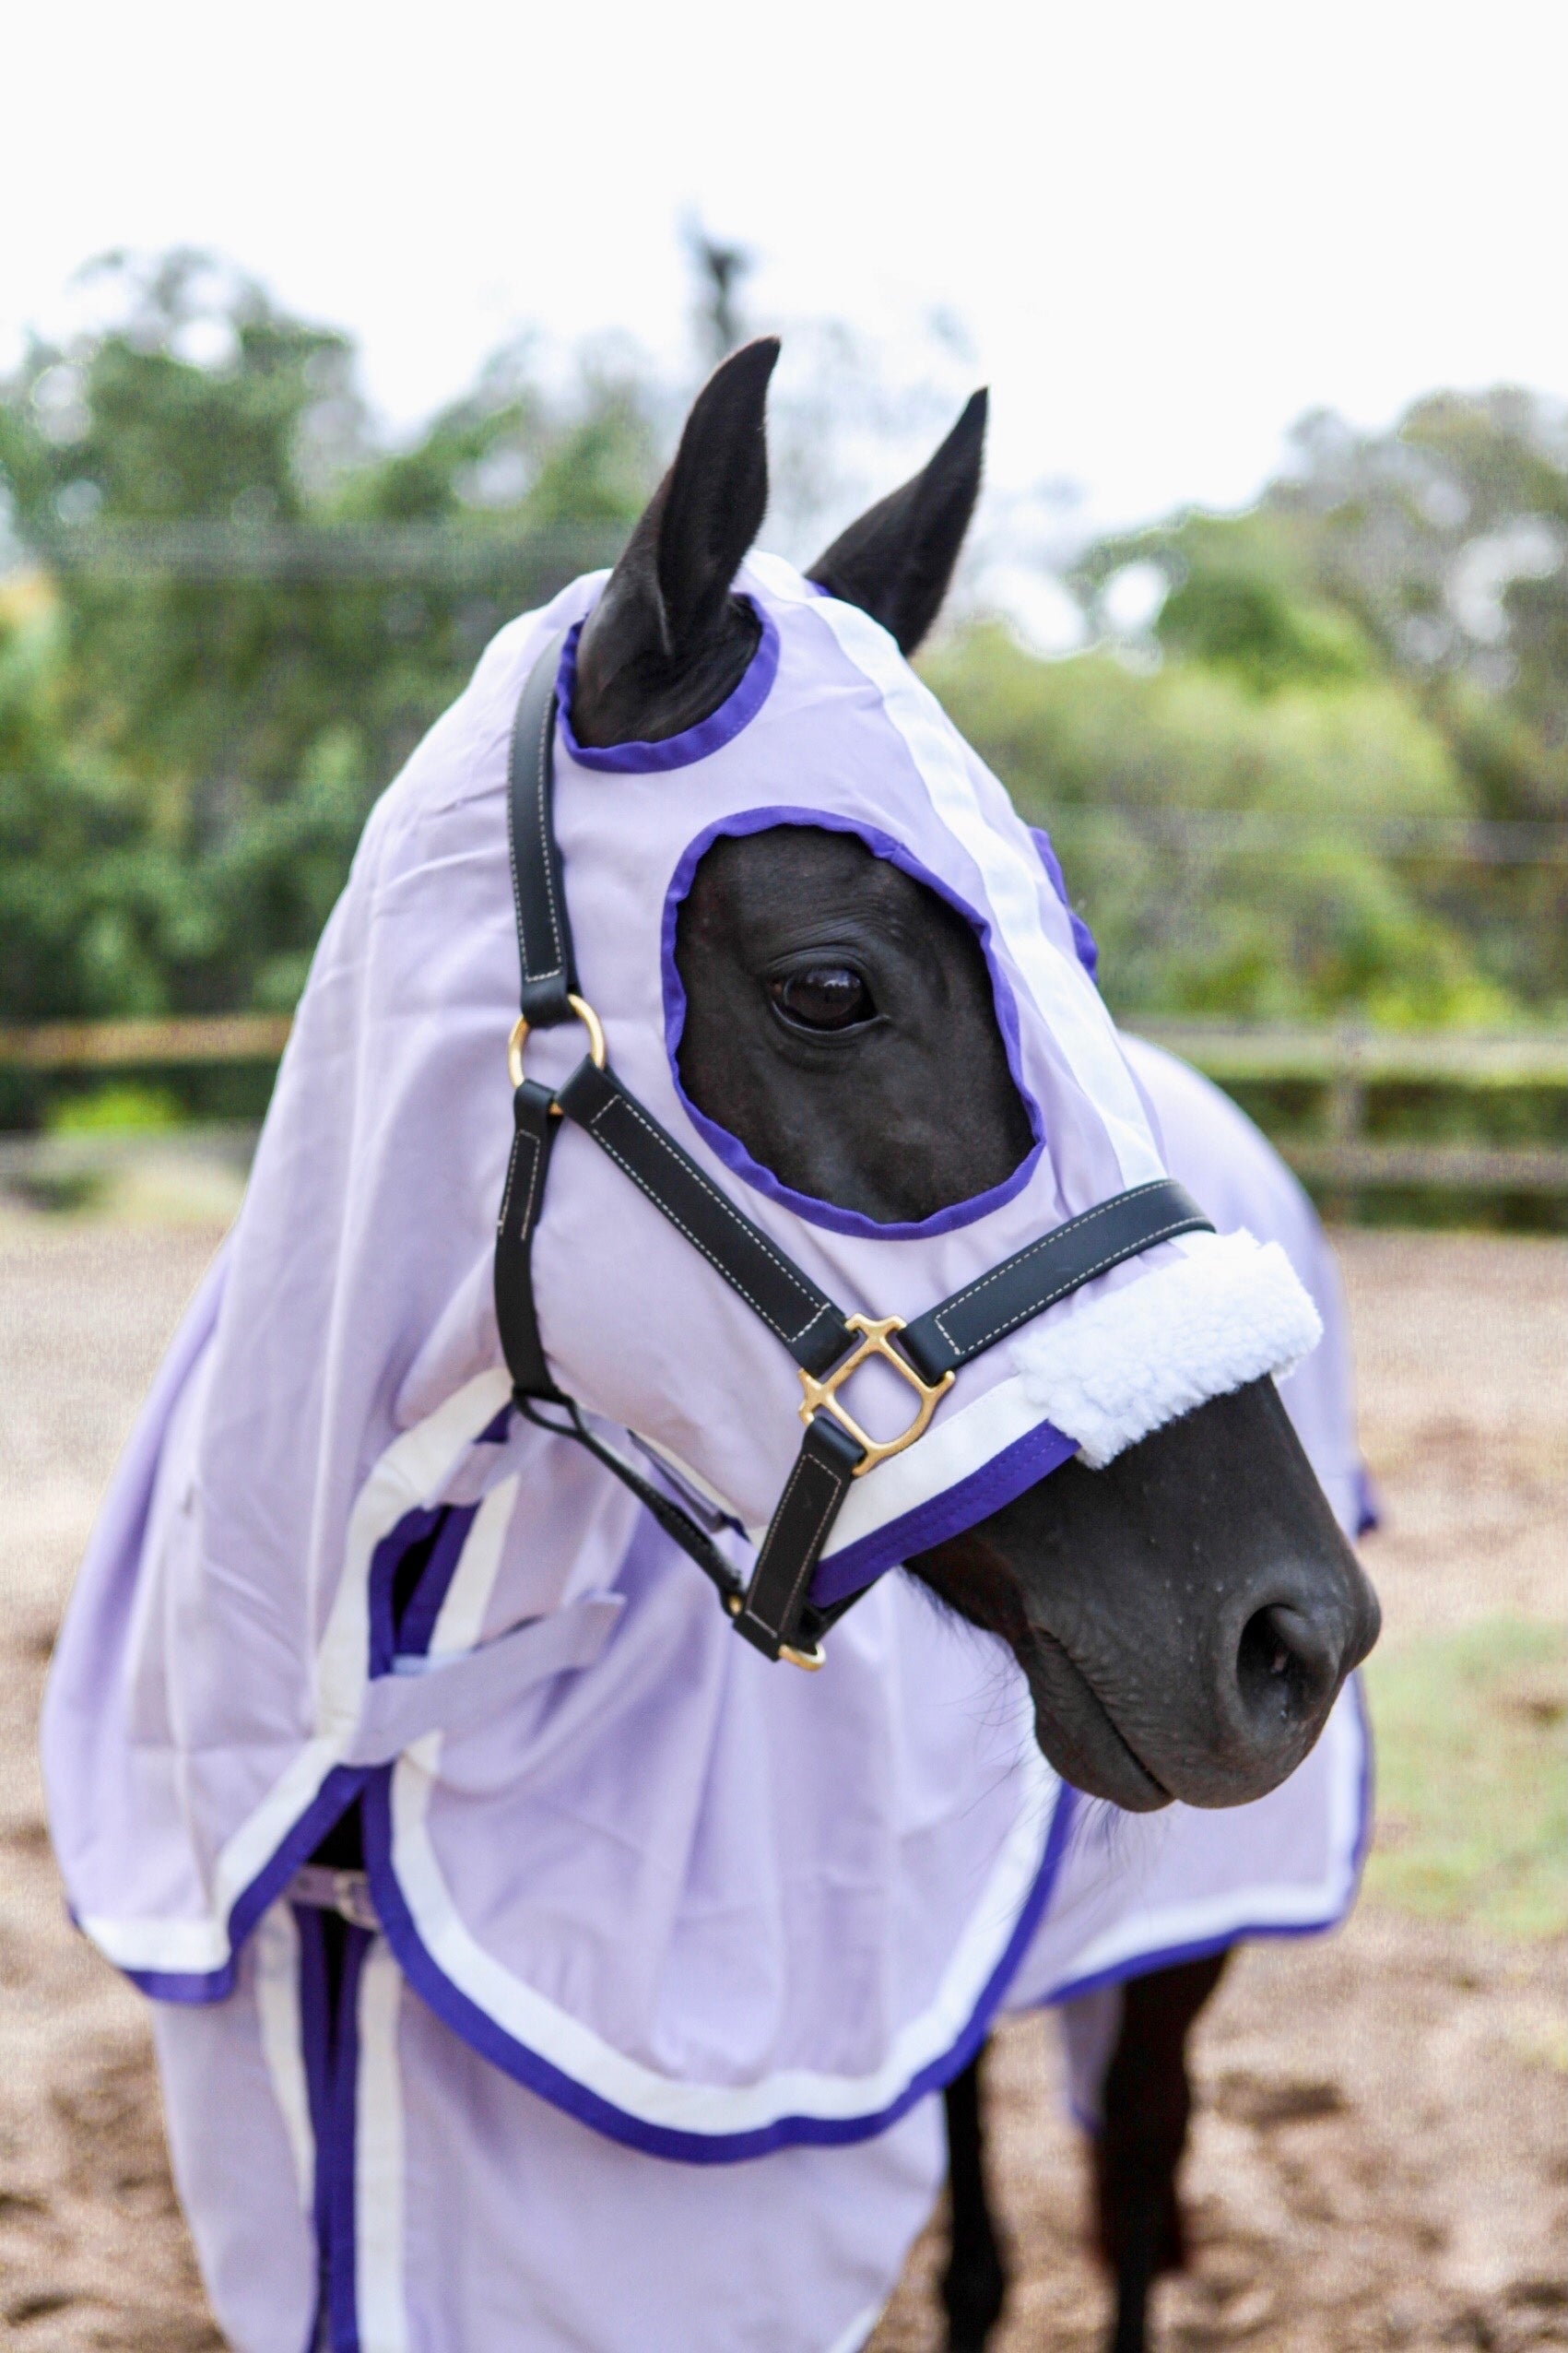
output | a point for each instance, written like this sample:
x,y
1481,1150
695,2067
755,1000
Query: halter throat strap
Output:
x,y
771,1609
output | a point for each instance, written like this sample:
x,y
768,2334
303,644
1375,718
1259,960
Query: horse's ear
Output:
x,y
896,564
664,633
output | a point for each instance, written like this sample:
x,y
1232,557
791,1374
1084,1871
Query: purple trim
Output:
x,y
1083,938
411,1529
341,2246
417,1625
729,1148
336,1793
1368,1510
344,1784
710,735
480,2031
1005,1475
329,2040
1171,1956
315,2050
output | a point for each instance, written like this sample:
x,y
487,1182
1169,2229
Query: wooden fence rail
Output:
x,y
1344,1060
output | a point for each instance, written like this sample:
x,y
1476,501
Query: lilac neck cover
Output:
x,y
707,1903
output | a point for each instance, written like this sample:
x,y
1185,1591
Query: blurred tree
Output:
x,y
1434,558
1217,838
256,612
249,608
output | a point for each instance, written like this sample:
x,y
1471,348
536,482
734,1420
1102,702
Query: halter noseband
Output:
x,y
771,1610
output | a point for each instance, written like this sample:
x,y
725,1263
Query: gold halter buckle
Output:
x,y
519,1038
811,1660
876,1338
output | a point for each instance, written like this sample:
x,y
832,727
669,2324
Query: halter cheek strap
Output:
x,y
771,1609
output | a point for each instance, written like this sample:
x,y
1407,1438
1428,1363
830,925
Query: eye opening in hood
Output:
x,y
728,1147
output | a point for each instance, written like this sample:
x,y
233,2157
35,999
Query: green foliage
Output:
x,y
255,611
1380,644
1473,1776
248,608
1103,755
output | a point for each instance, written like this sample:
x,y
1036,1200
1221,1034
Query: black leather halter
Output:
x,y
771,1610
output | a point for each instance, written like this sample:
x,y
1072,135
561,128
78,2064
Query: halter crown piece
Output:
x,y
771,1609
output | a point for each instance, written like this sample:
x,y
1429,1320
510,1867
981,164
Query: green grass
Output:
x,y
1473,1776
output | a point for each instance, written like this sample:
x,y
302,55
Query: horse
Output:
x,y
536,1958
1126,2042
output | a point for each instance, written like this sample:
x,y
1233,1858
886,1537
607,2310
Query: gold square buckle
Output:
x,y
876,1340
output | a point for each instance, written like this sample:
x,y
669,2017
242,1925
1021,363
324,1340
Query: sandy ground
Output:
x,y
1379,2154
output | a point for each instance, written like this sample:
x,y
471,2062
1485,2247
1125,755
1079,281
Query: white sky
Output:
x,y
1168,228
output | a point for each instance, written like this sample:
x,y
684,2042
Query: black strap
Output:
x,y
789,1303
544,932
534,1131
675,1521
1035,1277
775,1612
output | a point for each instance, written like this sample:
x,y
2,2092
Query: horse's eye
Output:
x,y
826,996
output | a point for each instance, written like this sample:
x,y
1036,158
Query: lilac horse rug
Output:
x,y
629,2031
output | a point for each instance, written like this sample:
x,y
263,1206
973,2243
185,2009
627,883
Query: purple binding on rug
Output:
x,y
1241,1931
1004,1476
329,2033
482,2033
451,1524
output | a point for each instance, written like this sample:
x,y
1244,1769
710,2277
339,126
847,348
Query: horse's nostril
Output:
x,y
1286,1665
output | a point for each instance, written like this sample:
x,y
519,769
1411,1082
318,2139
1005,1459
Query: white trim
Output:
x,y
1171,1927
276,1983
640,2092
412,1471
1232,1310
382,2311
1066,996
859,2332
952,1449
460,1621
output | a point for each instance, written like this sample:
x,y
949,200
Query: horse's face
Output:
x,y
1185,1615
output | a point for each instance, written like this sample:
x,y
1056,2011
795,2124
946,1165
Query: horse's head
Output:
x,y
844,1037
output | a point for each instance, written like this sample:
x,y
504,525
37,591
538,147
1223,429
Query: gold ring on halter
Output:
x,y
590,1022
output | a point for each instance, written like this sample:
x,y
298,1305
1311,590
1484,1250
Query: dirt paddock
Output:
x,y
1379,2154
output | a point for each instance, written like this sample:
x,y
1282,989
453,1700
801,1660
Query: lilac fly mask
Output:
x,y
349,1555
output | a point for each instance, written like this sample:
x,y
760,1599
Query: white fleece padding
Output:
x,y
1228,1311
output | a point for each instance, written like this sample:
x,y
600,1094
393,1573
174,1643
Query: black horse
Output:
x,y
1185,1618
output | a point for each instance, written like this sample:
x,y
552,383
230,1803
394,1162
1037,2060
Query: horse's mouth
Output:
x,y
1079,1734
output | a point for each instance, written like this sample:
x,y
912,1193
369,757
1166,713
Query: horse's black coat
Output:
x,y
896,562
1186,1616
1146,2103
